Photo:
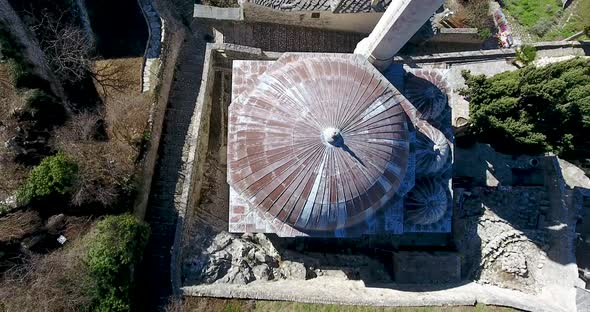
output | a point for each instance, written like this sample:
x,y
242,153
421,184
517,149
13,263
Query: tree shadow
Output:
x,y
119,26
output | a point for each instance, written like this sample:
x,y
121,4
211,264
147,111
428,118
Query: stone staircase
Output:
x,y
161,213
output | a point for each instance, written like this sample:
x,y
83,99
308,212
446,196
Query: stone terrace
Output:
x,y
284,38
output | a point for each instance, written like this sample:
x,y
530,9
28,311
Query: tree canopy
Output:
x,y
533,109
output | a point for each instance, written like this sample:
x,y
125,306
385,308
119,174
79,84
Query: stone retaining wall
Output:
x,y
327,290
195,150
457,35
163,77
151,58
544,49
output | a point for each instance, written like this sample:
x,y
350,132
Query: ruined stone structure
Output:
x,y
345,15
325,145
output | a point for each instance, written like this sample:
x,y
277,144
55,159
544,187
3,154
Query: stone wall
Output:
x,y
196,149
170,49
151,58
544,49
456,35
196,145
352,22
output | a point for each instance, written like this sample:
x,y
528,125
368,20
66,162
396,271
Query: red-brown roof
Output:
x,y
319,143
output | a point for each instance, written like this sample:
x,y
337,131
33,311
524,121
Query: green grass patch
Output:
x,y
546,20
530,12
208,304
580,18
268,306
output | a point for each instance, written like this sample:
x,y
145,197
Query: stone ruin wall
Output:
x,y
352,22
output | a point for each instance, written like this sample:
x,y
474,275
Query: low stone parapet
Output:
x,y
211,12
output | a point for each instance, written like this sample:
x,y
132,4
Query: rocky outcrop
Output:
x,y
243,259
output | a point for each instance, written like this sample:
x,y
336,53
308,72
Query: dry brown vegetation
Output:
x,y
107,164
118,75
9,102
103,165
58,281
19,224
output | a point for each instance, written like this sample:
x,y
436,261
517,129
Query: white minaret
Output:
x,y
399,23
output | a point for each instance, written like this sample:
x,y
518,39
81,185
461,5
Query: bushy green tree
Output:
x,y
526,54
115,249
533,110
55,175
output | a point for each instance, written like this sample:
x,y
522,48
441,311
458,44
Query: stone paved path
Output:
x,y
166,185
282,38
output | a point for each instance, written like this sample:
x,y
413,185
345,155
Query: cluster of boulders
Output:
x,y
244,259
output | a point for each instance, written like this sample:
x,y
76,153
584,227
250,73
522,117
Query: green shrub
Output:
x,y
37,99
533,110
21,72
526,54
4,209
9,46
55,175
541,27
115,249
484,33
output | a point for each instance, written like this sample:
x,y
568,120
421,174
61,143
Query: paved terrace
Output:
x,y
284,38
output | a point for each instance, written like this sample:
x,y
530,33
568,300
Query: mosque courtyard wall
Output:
x,y
299,270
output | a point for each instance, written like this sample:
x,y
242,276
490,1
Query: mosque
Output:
x,y
342,145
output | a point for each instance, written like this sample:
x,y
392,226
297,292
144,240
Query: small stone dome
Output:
x,y
427,91
433,152
427,202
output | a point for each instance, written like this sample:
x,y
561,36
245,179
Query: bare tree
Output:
x,y
66,46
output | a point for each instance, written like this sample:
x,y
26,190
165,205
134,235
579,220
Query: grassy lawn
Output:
x,y
233,305
546,20
530,12
574,20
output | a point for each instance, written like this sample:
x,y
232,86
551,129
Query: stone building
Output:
x,y
326,145
346,15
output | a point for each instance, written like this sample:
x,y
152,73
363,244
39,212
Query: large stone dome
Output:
x,y
320,142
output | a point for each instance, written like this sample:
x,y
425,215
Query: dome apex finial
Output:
x,y
332,136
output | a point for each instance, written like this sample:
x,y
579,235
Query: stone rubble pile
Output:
x,y
244,259
514,263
